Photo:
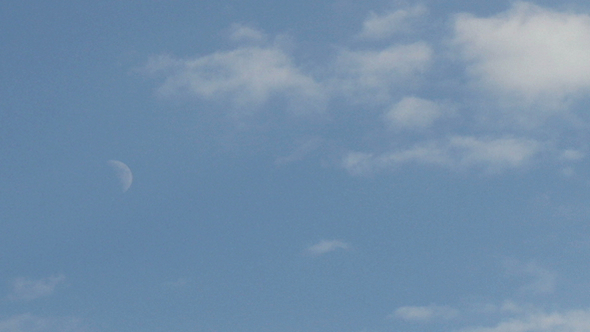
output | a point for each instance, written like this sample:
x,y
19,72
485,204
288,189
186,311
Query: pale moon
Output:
x,y
123,174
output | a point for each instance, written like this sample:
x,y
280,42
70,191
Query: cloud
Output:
x,y
531,59
534,54
326,246
425,313
31,323
247,76
366,74
25,289
458,152
568,321
540,280
391,23
413,112
243,33
302,149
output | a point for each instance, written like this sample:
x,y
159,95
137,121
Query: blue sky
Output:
x,y
314,166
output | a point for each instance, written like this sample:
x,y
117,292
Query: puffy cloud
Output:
x,y
531,53
390,23
413,112
326,246
425,313
28,289
247,76
457,152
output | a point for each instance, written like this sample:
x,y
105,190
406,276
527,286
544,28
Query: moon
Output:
x,y
123,173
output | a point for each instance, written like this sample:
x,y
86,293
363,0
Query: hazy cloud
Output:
x,y
368,74
413,112
25,289
243,33
379,26
569,321
246,76
539,279
425,313
491,154
326,246
31,323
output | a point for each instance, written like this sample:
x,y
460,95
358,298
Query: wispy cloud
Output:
x,y
539,280
248,76
244,33
24,289
566,321
384,25
491,154
369,74
32,323
326,246
425,313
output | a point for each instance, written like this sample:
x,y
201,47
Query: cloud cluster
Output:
x,y
518,73
508,316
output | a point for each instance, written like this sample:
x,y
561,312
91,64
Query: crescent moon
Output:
x,y
123,174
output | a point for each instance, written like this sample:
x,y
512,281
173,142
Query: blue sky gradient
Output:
x,y
314,166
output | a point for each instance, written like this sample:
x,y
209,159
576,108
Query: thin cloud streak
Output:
x,y
425,313
25,289
326,246
380,26
492,154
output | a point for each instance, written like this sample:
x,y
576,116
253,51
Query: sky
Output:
x,y
309,166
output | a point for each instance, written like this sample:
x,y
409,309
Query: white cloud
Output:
x,y
326,246
31,323
25,289
425,313
569,321
492,154
388,24
531,53
413,112
370,74
246,76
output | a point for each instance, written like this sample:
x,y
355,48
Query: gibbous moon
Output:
x,y
123,174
